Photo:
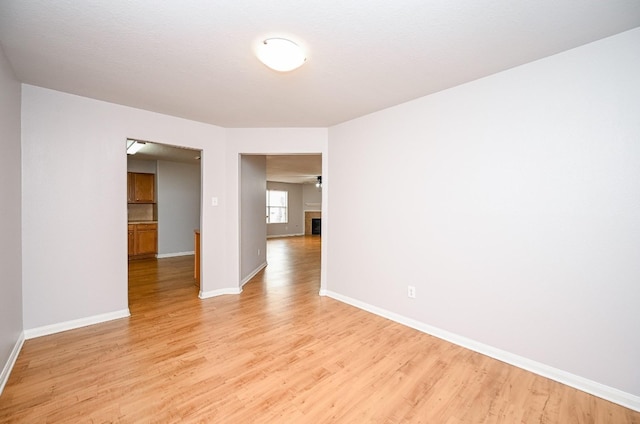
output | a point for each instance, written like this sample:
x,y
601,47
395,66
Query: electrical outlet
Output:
x,y
258,252
411,292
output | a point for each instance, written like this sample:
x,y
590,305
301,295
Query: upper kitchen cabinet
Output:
x,y
141,188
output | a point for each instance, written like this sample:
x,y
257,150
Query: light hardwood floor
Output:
x,y
277,353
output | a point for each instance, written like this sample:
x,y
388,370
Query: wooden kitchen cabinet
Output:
x,y
143,240
146,239
141,198
131,238
196,265
141,187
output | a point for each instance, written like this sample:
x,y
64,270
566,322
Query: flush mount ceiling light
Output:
x,y
280,54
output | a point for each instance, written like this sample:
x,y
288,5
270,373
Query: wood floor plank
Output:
x,y
276,353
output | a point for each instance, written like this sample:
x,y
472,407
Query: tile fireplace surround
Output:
x,y
308,216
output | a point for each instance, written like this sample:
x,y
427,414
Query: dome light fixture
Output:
x,y
280,54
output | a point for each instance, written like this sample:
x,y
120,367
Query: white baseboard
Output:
x,y
171,255
253,273
32,333
285,235
600,390
219,292
11,361
233,290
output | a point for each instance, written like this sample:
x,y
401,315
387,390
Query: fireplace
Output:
x,y
316,226
308,216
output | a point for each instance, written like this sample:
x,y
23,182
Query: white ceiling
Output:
x,y
194,58
300,169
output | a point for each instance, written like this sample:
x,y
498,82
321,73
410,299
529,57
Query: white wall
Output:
x,y
253,228
512,204
311,198
10,224
138,165
74,204
295,224
74,201
178,207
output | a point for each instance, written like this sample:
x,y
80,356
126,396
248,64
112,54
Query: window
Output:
x,y
277,207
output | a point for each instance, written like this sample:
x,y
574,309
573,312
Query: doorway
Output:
x,y
163,224
293,177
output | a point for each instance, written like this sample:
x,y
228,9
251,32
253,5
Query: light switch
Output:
x,y
214,201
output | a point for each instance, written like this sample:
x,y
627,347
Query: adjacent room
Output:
x,y
460,242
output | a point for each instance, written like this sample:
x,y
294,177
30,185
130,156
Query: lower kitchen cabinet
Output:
x,y
143,240
196,265
131,239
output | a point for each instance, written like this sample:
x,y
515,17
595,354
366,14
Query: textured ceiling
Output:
x,y
301,169
194,58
